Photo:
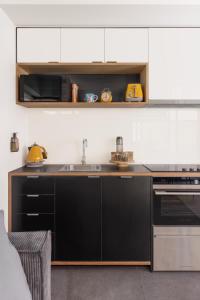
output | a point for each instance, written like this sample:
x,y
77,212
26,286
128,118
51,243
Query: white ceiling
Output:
x,y
81,13
105,2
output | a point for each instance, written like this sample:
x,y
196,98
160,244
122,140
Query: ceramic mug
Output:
x,y
90,98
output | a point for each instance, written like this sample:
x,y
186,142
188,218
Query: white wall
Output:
x,y
156,135
12,118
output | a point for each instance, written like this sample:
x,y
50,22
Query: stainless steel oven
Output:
x,y
176,204
176,224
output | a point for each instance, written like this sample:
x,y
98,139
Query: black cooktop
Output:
x,y
173,168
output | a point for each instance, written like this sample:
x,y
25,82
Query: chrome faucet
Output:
x,y
85,144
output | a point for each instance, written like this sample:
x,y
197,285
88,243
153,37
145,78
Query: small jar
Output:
x,y
119,144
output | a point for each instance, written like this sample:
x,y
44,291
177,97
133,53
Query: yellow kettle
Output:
x,y
36,154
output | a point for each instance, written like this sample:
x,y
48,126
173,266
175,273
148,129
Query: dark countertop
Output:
x,y
107,169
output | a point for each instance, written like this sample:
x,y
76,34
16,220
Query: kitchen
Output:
x,y
137,208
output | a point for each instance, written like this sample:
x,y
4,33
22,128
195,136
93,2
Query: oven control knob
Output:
x,y
184,169
192,169
198,169
196,181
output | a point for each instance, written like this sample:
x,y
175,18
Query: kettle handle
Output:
x,y
44,152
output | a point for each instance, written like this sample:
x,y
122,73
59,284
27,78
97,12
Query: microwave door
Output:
x,y
40,87
30,93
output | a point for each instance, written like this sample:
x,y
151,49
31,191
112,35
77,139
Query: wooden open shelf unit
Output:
x,y
83,68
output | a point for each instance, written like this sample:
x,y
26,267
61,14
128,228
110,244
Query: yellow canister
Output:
x,y
134,92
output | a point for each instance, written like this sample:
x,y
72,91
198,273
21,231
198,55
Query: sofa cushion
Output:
x,y
13,283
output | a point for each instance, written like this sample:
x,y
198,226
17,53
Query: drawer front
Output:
x,y
33,222
176,253
33,203
33,185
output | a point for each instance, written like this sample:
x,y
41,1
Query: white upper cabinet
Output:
x,y
126,44
38,45
82,44
174,64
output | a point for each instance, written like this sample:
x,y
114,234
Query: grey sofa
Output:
x,y
34,249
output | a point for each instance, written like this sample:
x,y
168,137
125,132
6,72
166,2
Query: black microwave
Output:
x,y
39,87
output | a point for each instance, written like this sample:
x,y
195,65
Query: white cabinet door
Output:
x,y
38,45
82,44
174,64
126,44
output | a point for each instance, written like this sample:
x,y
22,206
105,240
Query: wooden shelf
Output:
x,y
81,104
81,68
84,69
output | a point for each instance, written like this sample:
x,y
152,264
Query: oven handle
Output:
x,y
177,187
177,193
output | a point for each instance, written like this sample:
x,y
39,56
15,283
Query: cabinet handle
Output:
x,y
32,196
97,62
33,176
32,215
126,177
93,176
111,62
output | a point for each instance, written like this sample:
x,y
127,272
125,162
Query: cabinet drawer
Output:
x,y
33,222
33,203
33,185
176,253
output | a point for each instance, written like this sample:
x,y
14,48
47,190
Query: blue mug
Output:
x,y
90,98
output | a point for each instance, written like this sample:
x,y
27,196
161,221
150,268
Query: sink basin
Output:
x,y
80,168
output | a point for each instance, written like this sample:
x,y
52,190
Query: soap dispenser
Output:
x,y
14,143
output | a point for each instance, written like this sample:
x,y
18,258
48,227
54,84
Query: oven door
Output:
x,y
176,207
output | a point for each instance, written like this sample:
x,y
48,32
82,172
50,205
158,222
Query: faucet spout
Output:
x,y
85,144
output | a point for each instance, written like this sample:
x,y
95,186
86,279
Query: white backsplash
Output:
x,y
156,135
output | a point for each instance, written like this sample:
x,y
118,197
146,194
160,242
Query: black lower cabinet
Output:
x,y
126,219
33,204
91,218
78,218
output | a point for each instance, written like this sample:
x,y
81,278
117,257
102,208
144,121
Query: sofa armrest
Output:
x,y
34,249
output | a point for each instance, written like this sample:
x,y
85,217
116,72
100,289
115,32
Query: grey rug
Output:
x,y
123,283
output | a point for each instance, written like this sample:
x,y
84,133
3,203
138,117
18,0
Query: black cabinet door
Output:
x,y
126,219
78,219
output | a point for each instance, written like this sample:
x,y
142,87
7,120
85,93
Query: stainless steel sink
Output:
x,y
80,168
